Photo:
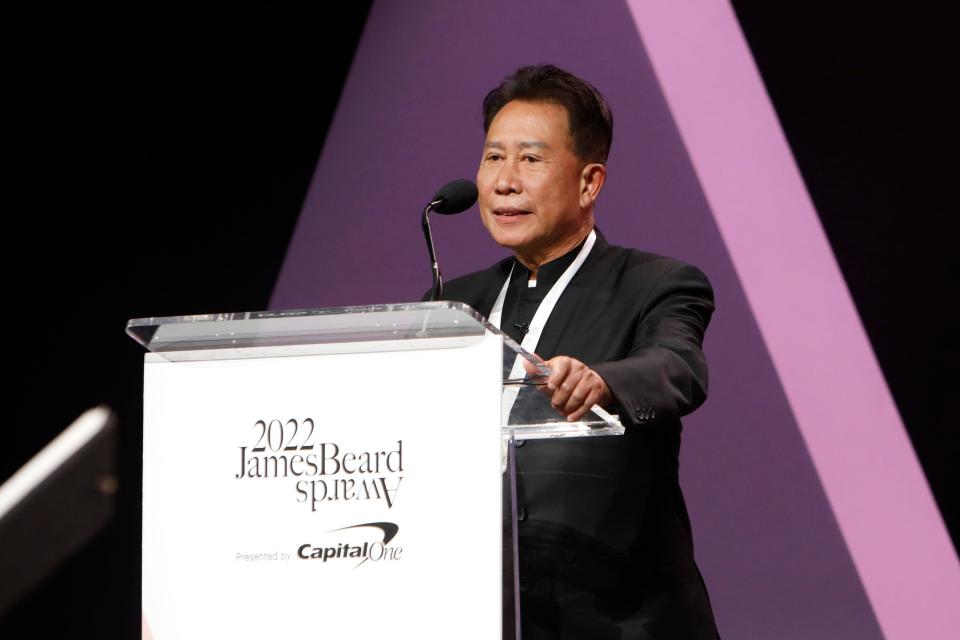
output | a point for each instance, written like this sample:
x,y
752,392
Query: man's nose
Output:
x,y
508,179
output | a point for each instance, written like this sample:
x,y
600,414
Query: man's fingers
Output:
x,y
585,407
560,368
529,367
565,386
572,386
570,393
578,396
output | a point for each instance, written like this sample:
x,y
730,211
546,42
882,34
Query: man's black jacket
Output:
x,y
605,542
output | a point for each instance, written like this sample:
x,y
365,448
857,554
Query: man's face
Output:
x,y
530,182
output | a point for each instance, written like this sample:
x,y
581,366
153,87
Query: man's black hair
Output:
x,y
589,116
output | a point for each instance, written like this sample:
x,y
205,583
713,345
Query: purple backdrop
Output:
x,y
409,120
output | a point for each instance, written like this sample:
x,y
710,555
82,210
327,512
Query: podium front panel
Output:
x,y
324,495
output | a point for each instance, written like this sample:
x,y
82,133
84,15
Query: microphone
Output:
x,y
523,328
453,197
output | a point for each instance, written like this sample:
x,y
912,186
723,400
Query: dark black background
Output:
x,y
866,93
161,155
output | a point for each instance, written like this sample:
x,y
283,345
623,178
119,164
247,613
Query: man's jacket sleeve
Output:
x,y
665,374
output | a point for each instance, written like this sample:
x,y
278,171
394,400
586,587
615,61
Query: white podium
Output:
x,y
333,473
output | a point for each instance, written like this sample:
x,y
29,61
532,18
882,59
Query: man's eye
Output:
x,y
531,159
493,157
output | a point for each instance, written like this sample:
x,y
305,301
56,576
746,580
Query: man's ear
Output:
x,y
591,182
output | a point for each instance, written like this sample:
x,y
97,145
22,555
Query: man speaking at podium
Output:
x,y
605,542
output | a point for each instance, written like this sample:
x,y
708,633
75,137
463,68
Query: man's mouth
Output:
x,y
509,212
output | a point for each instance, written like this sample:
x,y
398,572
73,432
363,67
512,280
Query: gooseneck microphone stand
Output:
x,y
437,278
454,197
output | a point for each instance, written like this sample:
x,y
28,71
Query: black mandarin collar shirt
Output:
x,y
522,300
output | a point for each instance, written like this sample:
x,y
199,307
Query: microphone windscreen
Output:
x,y
455,197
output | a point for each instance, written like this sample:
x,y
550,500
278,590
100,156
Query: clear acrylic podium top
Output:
x,y
420,325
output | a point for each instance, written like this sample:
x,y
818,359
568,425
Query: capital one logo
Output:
x,y
377,550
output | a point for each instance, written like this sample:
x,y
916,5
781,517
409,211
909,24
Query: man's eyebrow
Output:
x,y
533,144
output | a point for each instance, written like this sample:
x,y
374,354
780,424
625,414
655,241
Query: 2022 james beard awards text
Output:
x,y
285,449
